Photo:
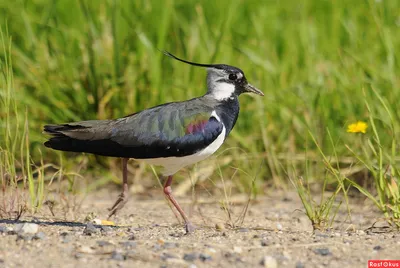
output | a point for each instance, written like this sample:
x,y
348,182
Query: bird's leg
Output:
x,y
189,227
122,198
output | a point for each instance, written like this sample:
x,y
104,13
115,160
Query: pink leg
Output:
x,y
122,198
189,227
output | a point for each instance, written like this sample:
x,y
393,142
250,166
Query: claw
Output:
x,y
190,228
118,205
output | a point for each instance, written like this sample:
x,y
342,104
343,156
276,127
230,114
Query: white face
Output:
x,y
218,88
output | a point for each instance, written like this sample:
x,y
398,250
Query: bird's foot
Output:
x,y
118,205
189,227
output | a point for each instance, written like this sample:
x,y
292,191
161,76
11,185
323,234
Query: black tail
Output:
x,y
83,138
60,141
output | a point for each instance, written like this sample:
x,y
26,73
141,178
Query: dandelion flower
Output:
x,y
357,127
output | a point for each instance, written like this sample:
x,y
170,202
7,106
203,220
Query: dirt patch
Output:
x,y
274,234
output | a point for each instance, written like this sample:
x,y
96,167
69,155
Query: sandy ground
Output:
x,y
275,233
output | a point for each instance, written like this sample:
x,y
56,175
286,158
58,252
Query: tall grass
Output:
x,y
77,60
15,157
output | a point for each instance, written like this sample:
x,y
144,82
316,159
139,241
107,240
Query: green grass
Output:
x,y
318,63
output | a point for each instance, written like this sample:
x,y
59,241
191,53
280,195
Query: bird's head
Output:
x,y
223,81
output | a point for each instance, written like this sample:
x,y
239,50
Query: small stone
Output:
x,y
24,237
3,229
169,245
190,256
211,250
132,237
269,262
220,227
205,257
279,226
128,244
378,248
27,228
156,247
79,255
90,229
347,241
117,256
322,251
39,236
237,249
103,243
167,255
85,249
228,255
360,232
243,230
265,243
299,264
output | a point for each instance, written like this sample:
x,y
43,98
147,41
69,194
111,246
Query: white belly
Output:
x,y
171,165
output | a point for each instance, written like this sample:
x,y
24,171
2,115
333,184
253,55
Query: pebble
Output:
x,y
103,243
377,248
128,244
190,256
269,262
265,243
237,249
25,237
299,264
167,255
27,228
85,249
115,255
3,229
170,245
79,255
156,247
360,232
205,257
243,230
322,251
132,237
39,236
90,229
279,226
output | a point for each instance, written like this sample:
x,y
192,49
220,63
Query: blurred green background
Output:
x,y
317,62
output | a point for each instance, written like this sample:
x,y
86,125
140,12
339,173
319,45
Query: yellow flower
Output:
x,y
357,127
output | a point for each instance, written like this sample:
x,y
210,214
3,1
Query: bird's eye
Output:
x,y
232,77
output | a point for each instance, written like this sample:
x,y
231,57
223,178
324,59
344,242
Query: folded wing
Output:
x,y
162,131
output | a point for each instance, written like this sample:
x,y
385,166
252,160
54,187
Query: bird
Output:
x,y
171,135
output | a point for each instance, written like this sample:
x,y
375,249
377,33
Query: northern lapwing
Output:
x,y
171,135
